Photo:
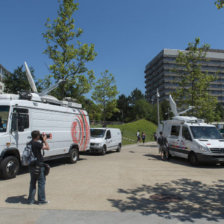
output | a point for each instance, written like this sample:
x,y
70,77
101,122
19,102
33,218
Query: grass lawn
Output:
x,y
129,130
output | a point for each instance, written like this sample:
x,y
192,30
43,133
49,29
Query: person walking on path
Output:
x,y
37,169
143,137
163,147
138,136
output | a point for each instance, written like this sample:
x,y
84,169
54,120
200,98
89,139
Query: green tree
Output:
x,y
105,93
219,111
165,110
142,109
68,54
136,95
194,83
17,81
94,111
123,106
219,4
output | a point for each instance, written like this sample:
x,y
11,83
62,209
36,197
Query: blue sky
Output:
x,y
127,33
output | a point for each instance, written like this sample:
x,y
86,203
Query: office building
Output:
x,y
159,74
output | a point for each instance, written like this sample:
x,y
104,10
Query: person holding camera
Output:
x,y
37,170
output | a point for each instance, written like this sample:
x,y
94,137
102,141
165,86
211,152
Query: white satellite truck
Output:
x,y
191,138
65,121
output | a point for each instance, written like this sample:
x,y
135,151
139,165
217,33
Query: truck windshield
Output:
x,y
4,114
97,133
203,132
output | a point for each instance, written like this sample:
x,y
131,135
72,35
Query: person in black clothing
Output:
x,y
37,146
143,137
163,146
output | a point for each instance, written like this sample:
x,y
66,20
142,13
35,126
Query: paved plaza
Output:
x,y
133,186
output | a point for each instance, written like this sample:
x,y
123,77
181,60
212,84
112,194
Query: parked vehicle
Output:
x,y
193,139
66,122
105,139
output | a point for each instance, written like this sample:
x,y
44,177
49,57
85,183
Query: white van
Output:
x,y
68,125
105,139
193,139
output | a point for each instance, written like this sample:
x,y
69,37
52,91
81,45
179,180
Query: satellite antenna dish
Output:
x,y
30,78
33,86
173,106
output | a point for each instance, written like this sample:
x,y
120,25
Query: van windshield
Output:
x,y
97,133
203,132
4,114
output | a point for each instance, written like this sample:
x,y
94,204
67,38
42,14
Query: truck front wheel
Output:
x,y
10,167
193,159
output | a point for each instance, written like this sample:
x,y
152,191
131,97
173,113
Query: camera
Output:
x,y
49,136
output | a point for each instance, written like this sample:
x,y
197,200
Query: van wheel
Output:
x,y
74,155
193,159
104,150
10,167
119,148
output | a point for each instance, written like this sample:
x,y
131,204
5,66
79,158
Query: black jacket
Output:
x,y
162,141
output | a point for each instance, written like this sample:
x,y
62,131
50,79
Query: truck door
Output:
x,y
174,140
186,140
21,133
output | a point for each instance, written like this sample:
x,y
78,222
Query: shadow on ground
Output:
x,y
183,199
17,199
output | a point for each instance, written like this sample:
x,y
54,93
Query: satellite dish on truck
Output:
x,y
33,86
174,107
43,96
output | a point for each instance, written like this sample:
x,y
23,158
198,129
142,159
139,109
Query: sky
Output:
x,y
127,33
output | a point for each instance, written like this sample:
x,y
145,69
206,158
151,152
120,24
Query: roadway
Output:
x,y
127,187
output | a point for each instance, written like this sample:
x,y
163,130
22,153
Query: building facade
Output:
x,y
159,74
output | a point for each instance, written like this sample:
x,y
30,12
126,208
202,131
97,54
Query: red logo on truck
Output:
x,y
80,131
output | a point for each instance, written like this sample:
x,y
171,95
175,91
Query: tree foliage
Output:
x,y
135,106
68,54
17,81
136,95
94,111
105,93
219,4
194,83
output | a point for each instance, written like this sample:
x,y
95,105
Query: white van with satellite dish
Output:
x,y
65,121
105,139
191,138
